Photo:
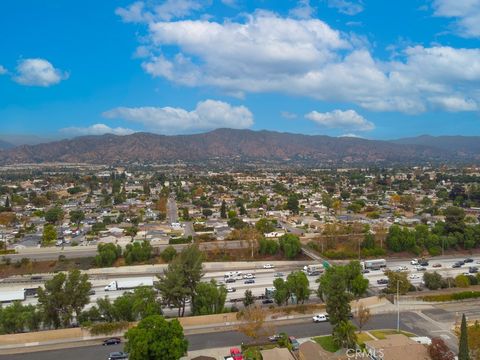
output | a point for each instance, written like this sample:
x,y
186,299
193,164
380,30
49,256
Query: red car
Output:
x,y
236,354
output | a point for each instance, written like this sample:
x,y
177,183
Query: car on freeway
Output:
x,y
278,274
231,289
423,263
117,355
230,280
236,354
382,281
414,276
249,281
466,273
402,268
320,318
112,341
267,301
294,342
421,268
414,262
248,276
473,269
468,260
437,265
268,266
365,271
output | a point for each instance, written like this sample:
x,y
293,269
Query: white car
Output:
x,y
414,262
248,276
268,266
414,277
421,268
231,289
320,318
402,268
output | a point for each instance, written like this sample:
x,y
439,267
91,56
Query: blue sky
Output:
x,y
371,68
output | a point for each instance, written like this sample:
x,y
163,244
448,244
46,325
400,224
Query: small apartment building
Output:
x,y
396,347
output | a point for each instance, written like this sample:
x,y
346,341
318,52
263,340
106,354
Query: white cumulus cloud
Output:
x,y
466,13
346,7
96,129
264,52
2,70
208,114
38,72
348,119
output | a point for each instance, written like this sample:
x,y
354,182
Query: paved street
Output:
x,y
172,211
229,338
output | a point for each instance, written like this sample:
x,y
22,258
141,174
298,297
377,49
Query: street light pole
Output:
x,y
398,306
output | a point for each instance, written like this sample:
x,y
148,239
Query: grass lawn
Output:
x,y
362,337
381,334
326,342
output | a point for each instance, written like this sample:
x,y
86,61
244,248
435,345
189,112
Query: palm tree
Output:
x,y
344,334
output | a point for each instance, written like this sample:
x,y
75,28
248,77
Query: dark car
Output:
x,y
267,301
468,260
230,280
423,263
473,270
382,281
112,341
249,281
294,342
117,355
365,271
274,338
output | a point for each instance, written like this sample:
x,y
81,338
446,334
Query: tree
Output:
x,y
248,299
327,200
209,298
438,350
432,281
155,338
462,281
404,284
207,212
344,334
359,286
168,254
138,252
298,285
292,204
368,241
107,254
454,219
333,290
281,294
223,210
7,203
131,231
363,316
49,234
54,215
76,216
290,245
253,323
64,296
17,318
265,226
463,352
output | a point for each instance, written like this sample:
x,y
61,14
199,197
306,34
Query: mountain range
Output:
x,y
246,145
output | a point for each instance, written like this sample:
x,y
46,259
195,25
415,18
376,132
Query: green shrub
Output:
x,y
452,297
108,328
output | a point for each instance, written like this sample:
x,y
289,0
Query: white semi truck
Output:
x,y
122,284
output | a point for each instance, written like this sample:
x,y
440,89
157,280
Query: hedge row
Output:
x,y
108,328
452,297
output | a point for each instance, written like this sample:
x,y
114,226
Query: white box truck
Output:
x,y
12,295
122,284
374,264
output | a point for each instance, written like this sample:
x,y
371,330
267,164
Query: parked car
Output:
x,y
268,266
236,354
382,281
249,281
294,342
112,341
117,355
320,318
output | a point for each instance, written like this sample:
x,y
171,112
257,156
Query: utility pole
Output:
x,y
398,306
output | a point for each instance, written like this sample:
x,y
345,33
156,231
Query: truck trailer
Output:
x,y
376,264
122,284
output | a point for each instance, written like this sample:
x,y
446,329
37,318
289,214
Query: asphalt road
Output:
x,y
172,210
225,339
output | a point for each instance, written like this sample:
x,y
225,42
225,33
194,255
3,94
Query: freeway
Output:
x,y
304,329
